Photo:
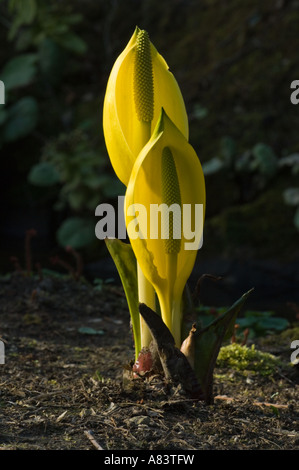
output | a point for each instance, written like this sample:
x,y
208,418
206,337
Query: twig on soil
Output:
x,y
255,403
89,435
275,405
224,397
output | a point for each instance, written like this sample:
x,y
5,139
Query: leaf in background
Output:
x,y
258,313
43,174
270,324
94,180
207,345
243,162
76,232
291,196
19,71
199,111
24,13
228,150
212,166
125,262
76,199
26,10
21,119
86,330
292,161
72,42
52,59
265,160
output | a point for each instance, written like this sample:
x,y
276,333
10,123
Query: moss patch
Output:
x,y
243,358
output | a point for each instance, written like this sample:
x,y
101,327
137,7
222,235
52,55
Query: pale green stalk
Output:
x,y
146,292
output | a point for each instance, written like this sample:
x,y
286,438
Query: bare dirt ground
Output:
x,y
66,346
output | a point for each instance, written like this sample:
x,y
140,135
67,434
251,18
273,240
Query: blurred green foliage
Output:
x,y
72,165
259,163
45,29
44,21
234,62
259,323
20,117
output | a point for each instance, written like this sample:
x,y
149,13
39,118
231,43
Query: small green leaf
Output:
x,y
25,10
291,196
199,112
86,330
212,166
125,263
290,160
93,181
257,314
243,163
72,42
43,174
19,71
76,232
275,410
228,150
76,199
265,160
21,119
269,324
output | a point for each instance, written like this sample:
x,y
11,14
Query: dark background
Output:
x,y
234,62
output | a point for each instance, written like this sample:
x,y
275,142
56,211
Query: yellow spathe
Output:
x,y
167,272
121,123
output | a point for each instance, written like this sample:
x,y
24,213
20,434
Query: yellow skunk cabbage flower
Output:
x,y
139,85
164,211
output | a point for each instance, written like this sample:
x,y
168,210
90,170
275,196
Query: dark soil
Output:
x,y
59,381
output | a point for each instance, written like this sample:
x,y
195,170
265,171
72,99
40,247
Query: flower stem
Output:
x,y
146,295
176,316
171,315
146,292
174,306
